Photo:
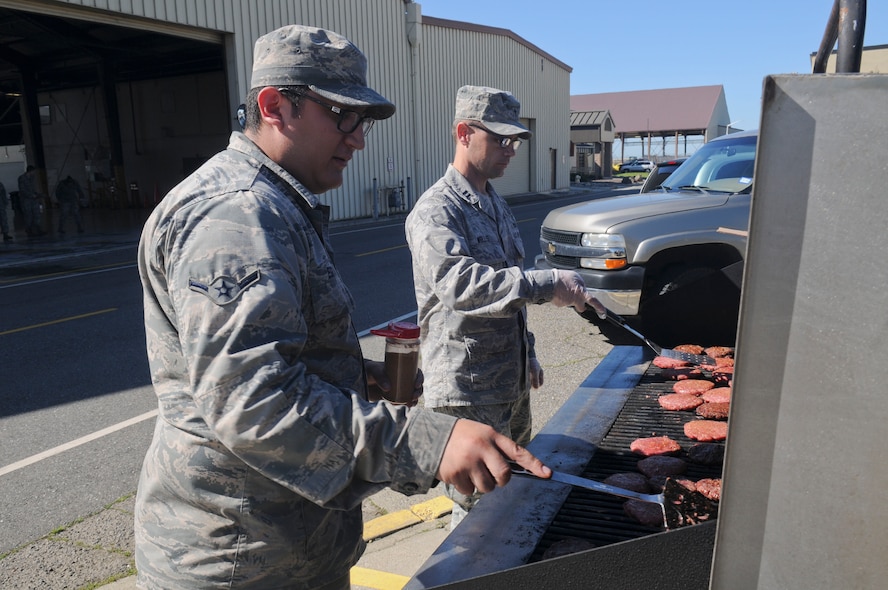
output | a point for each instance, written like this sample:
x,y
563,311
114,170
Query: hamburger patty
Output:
x,y
654,445
661,465
635,482
646,513
717,394
706,453
668,363
679,373
711,488
714,410
706,430
679,401
692,386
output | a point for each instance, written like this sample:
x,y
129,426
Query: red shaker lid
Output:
x,y
404,330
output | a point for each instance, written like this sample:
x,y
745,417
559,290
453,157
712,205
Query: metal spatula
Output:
x,y
694,359
681,507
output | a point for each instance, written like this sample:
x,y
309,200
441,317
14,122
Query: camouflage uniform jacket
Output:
x,y
472,293
264,446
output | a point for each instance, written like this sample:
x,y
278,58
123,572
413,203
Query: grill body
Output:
x,y
511,528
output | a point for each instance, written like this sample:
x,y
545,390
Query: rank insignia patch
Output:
x,y
223,289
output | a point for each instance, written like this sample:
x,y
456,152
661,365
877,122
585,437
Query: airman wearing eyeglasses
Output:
x,y
266,442
471,287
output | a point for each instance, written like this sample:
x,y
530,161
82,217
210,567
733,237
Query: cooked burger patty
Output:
x,y
635,482
714,410
719,351
689,348
646,513
711,488
706,453
662,465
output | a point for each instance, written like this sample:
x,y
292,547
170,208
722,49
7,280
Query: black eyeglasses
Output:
x,y
346,121
502,140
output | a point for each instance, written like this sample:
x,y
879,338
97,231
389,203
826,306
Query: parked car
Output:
x,y
637,166
634,250
660,173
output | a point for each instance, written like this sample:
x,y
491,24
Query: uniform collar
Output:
x,y
463,187
241,143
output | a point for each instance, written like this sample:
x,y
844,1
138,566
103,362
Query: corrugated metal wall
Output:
x,y
412,145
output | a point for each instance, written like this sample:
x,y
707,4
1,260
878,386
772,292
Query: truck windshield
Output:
x,y
726,165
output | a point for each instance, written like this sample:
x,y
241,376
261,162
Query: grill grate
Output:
x,y
599,518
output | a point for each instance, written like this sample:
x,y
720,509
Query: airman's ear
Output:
x,y
271,106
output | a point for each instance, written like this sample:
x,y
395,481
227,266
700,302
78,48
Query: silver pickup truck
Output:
x,y
635,250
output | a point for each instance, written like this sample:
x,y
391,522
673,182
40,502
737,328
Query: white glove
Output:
x,y
571,290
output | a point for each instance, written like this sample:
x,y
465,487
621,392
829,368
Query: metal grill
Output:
x,y
562,237
599,518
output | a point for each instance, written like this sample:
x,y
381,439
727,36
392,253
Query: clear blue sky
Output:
x,y
617,46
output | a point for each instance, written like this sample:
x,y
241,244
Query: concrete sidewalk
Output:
x,y
97,551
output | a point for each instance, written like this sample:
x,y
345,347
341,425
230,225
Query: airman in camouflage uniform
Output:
x,y
471,287
266,443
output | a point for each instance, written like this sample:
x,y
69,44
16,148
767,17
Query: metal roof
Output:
x,y
655,112
588,118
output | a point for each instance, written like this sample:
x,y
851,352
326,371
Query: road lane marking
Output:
x,y
58,321
76,443
381,251
58,276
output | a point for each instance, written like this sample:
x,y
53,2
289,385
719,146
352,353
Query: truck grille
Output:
x,y
561,237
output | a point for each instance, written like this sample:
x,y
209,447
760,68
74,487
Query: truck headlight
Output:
x,y
603,251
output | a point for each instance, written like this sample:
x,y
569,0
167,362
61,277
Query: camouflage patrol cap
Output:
x,y
496,109
328,63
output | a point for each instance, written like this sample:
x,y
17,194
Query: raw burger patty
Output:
x,y
706,430
635,482
706,453
668,363
690,348
717,395
646,513
679,373
714,410
692,386
661,465
654,445
711,488
679,401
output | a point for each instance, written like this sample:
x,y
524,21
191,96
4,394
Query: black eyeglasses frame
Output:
x,y
366,122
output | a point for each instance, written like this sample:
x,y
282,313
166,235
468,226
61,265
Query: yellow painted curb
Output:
x,y
376,579
434,508
394,522
390,523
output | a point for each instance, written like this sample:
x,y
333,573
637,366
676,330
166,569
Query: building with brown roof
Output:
x,y
664,123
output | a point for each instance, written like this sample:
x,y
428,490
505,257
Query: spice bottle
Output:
x,y
401,359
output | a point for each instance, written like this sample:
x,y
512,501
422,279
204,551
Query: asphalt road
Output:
x,y
76,410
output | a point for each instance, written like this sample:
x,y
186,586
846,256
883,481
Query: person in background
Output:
x,y
69,195
266,442
4,218
471,287
29,201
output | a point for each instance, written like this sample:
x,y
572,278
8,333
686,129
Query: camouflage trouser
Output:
x,y
512,420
